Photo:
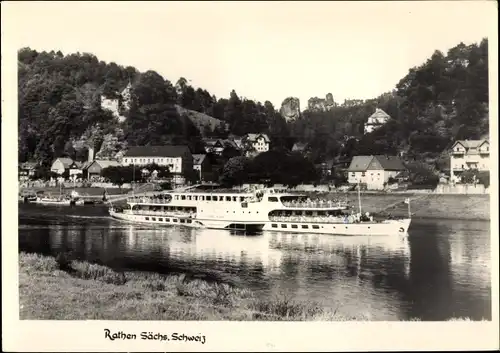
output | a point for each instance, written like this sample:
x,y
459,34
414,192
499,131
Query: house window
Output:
x,y
126,160
305,226
283,226
363,174
294,226
228,198
274,225
315,227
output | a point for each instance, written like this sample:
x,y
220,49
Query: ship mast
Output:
x,y
359,196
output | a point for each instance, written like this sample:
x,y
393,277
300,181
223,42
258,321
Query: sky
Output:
x,y
262,50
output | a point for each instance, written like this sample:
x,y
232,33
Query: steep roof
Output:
x,y
470,143
379,114
106,163
158,151
299,146
198,158
254,137
362,163
67,162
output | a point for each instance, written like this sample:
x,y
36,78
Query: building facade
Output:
x,y
177,158
95,168
469,155
256,143
60,165
374,171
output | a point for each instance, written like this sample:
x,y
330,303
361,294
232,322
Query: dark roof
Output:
x,y
390,163
157,151
198,158
254,137
361,163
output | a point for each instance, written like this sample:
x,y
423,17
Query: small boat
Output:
x,y
27,196
61,200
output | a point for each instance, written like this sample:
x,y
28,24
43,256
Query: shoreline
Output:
x,y
62,289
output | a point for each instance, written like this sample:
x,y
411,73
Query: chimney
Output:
x,y
91,154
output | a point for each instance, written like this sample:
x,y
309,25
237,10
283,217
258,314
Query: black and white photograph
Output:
x,y
263,162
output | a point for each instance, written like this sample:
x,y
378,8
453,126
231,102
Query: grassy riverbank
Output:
x,y
82,191
443,206
59,289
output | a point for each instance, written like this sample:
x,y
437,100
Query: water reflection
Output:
x,y
441,270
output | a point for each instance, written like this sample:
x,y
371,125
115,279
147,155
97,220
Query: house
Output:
x,y
116,104
26,170
76,169
60,165
374,171
376,120
469,155
178,158
201,165
255,144
94,168
215,146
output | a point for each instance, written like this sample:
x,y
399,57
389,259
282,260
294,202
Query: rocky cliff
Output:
x,y
320,104
290,108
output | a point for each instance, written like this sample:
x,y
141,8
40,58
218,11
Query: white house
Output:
x,y
376,120
374,171
178,158
469,155
60,165
256,143
114,104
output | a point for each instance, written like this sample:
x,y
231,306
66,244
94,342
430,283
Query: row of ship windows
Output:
x,y
217,198
174,220
303,226
294,226
210,198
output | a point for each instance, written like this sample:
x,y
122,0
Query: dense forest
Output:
x,y
60,114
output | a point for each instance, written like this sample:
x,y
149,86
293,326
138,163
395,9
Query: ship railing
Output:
x,y
160,213
149,200
318,219
316,204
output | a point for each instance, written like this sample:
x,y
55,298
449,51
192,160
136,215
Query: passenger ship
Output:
x,y
265,209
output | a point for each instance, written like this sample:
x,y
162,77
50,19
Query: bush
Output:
x,y
422,174
97,272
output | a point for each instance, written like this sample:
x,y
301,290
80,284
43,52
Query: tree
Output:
x,y
120,175
235,171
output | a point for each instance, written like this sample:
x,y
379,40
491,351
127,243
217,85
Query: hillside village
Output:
x,y
116,118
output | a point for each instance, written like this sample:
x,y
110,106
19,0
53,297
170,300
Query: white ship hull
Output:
x,y
263,211
58,202
387,227
168,220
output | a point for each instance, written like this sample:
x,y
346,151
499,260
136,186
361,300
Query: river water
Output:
x,y
440,270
